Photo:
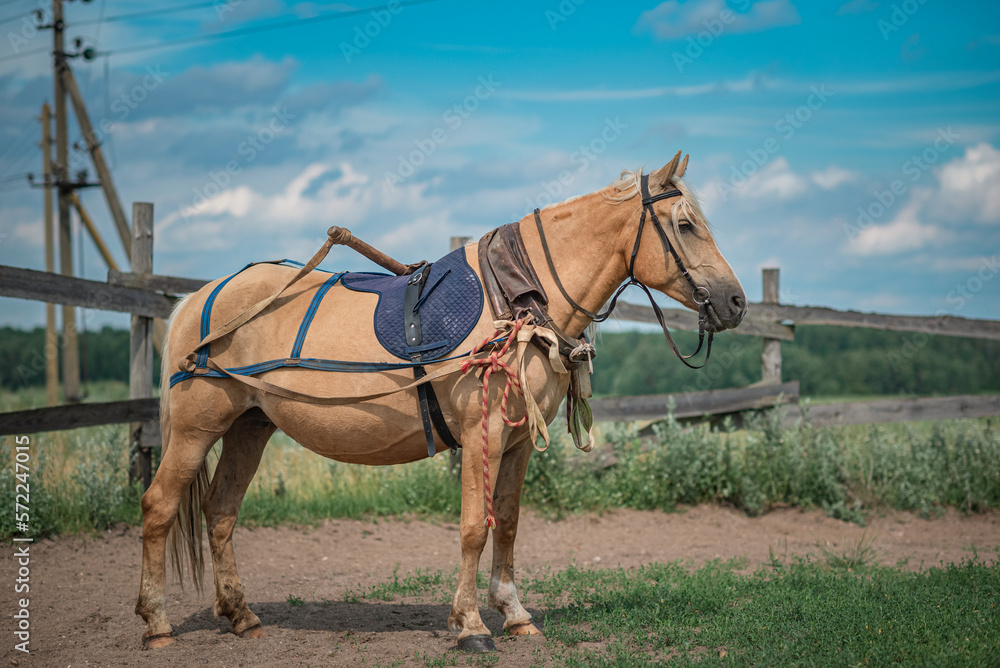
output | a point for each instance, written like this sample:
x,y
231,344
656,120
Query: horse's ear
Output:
x,y
681,168
661,177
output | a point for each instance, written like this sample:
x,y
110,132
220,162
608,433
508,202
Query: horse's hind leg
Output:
x,y
182,461
507,506
242,447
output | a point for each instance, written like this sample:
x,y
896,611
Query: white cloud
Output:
x,y
676,20
904,233
775,180
832,177
970,187
751,82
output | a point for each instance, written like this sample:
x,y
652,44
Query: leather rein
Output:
x,y
698,290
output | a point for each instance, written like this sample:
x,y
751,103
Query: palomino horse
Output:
x,y
589,246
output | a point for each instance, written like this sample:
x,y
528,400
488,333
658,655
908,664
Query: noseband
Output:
x,y
701,296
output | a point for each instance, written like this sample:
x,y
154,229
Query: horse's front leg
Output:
x,y
464,618
507,502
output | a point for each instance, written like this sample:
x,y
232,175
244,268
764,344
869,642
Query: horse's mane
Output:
x,y
626,187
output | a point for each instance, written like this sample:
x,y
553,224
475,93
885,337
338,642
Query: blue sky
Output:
x,y
855,145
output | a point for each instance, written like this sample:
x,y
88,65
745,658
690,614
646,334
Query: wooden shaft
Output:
x,y
94,234
343,237
94,146
70,347
51,339
141,341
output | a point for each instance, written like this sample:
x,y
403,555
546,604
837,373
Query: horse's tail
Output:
x,y
185,538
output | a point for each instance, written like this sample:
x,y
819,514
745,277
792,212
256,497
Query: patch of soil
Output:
x,y
83,589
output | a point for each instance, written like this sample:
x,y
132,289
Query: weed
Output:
x,y
861,554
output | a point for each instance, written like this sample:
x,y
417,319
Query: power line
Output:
x,y
151,12
252,30
15,177
8,2
24,54
18,17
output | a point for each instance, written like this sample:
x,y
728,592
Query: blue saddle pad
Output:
x,y
449,306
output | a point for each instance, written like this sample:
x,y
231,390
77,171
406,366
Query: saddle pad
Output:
x,y
449,306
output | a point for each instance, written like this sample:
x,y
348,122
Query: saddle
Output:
x,y
427,313
422,317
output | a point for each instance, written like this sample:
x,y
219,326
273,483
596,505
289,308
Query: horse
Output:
x,y
582,251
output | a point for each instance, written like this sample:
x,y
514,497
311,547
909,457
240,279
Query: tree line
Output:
x,y
827,361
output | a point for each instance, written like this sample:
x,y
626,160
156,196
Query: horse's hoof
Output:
x,y
254,632
477,644
528,628
158,642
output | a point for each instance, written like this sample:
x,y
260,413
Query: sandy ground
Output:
x,y
83,590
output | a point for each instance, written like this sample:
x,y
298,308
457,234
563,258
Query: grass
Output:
x,y
79,478
798,612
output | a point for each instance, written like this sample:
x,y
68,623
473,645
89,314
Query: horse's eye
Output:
x,y
685,225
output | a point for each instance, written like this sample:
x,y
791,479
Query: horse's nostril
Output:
x,y
739,302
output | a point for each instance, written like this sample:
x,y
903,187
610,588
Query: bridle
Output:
x,y
698,290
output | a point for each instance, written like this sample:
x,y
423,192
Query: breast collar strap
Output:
x,y
698,291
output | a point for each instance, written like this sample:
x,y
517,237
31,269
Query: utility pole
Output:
x,y
94,146
70,349
51,340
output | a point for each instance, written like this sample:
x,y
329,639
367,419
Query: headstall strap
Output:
x,y
703,304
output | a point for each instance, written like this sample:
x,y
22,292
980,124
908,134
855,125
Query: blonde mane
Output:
x,y
626,186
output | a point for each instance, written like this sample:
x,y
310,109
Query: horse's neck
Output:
x,y
584,238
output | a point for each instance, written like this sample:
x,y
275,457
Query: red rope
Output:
x,y
490,365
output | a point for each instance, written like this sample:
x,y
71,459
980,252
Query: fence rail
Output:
x,y
146,295
73,416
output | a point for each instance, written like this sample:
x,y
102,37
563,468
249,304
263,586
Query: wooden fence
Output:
x,y
147,296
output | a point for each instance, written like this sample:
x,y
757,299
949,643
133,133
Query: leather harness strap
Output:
x,y
703,304
430,408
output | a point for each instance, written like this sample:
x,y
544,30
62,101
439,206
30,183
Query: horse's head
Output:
x,y
686,229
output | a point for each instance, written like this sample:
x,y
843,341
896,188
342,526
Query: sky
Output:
x,y
854,144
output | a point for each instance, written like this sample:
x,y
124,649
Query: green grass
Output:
x,y
793,613
79,478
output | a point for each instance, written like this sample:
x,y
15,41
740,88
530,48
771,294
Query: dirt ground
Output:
x,y
83,589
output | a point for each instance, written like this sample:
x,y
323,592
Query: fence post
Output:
x,y
770,357
140,369
455,458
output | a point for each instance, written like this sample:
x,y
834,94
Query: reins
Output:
x,y
698,290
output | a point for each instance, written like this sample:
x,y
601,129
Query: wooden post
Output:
x,y
70,349
140,370
770,358
455,458
51,339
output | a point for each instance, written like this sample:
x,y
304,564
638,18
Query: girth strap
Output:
x,y
430,408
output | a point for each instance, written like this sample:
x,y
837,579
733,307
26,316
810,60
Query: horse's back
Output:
x,y
341,328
